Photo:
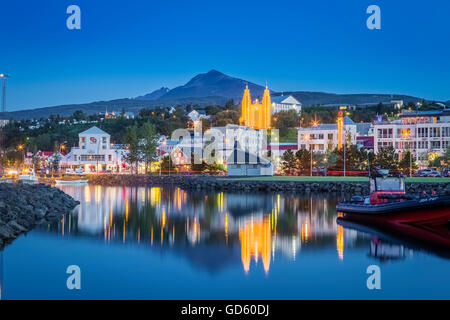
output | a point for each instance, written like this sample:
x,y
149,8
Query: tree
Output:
x,y
36,162
303,157
79,115
167,164
386,158
442,161
56,158
132,142
327,160
289,162
213,168
148,144
405,163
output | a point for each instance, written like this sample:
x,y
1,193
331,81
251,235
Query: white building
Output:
x,y
321,137
196,115
285,103
425,133
95,153
3,122
244,163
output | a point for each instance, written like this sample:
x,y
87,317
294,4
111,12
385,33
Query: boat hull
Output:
x,y
394,207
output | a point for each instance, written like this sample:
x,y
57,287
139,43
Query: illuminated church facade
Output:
x,y
256,115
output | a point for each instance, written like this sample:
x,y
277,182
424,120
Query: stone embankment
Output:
x,y
23,206
230,184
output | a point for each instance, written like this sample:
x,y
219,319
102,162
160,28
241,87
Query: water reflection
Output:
x,y
215,229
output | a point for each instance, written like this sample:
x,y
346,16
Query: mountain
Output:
x,y
211,88
214,84
155,95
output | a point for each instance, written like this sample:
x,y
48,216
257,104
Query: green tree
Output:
x,y
148,144
56,159
386,158
167,163
133,148
407,162
36,162
303,157
288,162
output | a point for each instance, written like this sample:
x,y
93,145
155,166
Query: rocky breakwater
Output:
x,y
23,206
251,185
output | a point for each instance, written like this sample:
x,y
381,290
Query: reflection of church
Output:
x,y
256,115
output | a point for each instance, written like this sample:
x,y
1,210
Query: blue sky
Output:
x,y
129,48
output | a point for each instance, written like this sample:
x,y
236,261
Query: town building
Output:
x,y
425,133
256,115
285,103
95,153
244,163
197,115
324,137
3,122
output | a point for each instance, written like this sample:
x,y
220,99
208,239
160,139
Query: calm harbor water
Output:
x,y
159,243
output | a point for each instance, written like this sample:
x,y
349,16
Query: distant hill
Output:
x,y
154,95
213,83
322,98
211,88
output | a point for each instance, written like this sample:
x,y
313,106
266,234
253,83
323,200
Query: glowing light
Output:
x,y
340,242
256,239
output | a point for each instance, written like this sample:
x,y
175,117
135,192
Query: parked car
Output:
x,y
430,172
79,171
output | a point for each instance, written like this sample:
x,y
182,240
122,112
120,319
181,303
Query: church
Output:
x,y
256,115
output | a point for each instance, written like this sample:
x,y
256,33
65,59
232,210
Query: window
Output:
x,y
330,136
75,157
435,132
435,144
321,147
104,139
109,158
83,139
321,136
103,147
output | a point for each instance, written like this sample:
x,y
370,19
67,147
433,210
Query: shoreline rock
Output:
x,y
23,206
230,184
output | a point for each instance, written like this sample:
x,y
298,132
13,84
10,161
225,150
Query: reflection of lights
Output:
x,y
155,196
340,242
151,236
220,201
226,226
98,194
87,194
256,239
163,219
305,232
